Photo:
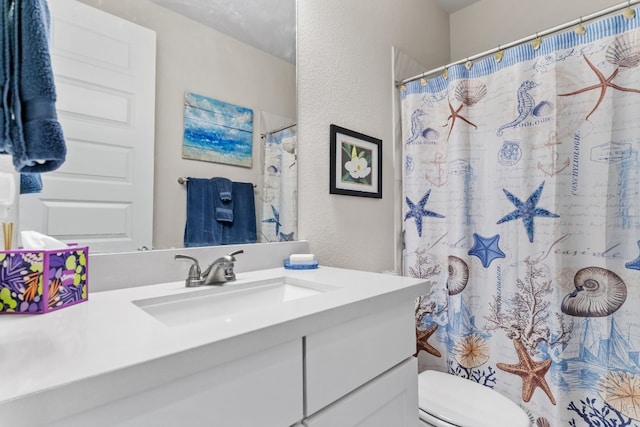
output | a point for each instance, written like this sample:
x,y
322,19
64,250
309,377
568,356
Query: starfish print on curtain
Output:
x,y
527,210
531,372
275,219
422,341
486,248
619,54
417,211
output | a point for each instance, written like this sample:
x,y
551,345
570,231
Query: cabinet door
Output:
x,y
263,389
389,400
340,359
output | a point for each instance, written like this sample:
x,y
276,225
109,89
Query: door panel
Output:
x,y
102,196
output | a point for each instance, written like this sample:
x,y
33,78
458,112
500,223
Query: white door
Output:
x,y
104,70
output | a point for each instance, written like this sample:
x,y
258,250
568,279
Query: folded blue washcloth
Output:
x,y
37,141
30,183
223,203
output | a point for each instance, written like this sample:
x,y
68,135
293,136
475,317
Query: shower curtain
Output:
x,y
521,191
280,187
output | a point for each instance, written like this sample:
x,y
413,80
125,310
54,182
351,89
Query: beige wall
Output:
x,y
344,61
194,58
489,23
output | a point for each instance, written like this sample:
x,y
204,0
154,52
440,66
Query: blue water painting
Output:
x,y
216,131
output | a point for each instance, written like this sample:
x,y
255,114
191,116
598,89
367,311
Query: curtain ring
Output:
x,y
535,44
468,64
499,54
580,29
629,13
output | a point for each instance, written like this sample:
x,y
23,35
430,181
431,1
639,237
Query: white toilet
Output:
x,y
450,401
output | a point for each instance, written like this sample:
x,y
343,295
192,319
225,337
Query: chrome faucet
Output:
x,y
219,271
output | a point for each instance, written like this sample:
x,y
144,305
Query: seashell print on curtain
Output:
x,y
521,190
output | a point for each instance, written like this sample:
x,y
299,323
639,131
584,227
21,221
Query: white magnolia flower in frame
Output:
x,y
357,167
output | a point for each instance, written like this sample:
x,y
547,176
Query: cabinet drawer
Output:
x,y
237,394
389,400
342,358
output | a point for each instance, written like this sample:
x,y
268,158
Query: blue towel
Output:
x,y
202,228
199,227
5,114
30,183
37,141
243,229
223,203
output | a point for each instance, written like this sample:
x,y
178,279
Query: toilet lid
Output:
x,y
466,403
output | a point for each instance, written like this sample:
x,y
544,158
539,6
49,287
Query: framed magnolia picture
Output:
x,y
355,163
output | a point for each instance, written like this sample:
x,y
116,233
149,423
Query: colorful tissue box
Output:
x,y
40,281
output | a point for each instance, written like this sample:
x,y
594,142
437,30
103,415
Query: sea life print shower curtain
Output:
x,y
521,190
279,200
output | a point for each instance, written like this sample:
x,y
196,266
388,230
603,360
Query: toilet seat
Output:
x,y
433,421
458,402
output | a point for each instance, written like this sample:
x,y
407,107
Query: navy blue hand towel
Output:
x,y
30,183
37,141
243,229
5,114
200,227
223,202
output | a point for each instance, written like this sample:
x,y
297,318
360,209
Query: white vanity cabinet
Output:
x,y
262,389
362,372
340,356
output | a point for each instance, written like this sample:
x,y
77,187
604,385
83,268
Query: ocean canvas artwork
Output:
x,y
217,131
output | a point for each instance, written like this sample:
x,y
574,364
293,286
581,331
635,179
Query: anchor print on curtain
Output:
x,y
522,206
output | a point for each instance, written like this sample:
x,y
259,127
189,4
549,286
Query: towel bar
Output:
x,y
183,180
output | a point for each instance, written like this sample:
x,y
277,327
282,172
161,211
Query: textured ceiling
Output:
x,y
268,25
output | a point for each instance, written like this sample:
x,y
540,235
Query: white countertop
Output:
x,y
112,348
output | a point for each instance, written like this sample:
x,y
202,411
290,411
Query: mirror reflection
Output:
x,y
122,71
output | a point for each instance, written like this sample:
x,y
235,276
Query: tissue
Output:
x,y
34,240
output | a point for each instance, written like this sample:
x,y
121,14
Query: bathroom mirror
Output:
x,y
206,47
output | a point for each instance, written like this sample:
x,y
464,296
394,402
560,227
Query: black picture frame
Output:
x,y
355,163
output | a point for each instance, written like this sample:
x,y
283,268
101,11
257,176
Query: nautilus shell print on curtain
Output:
x,y
458,275
599,292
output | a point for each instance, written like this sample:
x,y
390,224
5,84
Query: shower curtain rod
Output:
x,y
559,28
262,135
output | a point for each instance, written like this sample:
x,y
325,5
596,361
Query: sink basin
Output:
x,y
224,303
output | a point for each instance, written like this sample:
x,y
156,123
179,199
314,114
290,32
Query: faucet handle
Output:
x,y
233,254
195,276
